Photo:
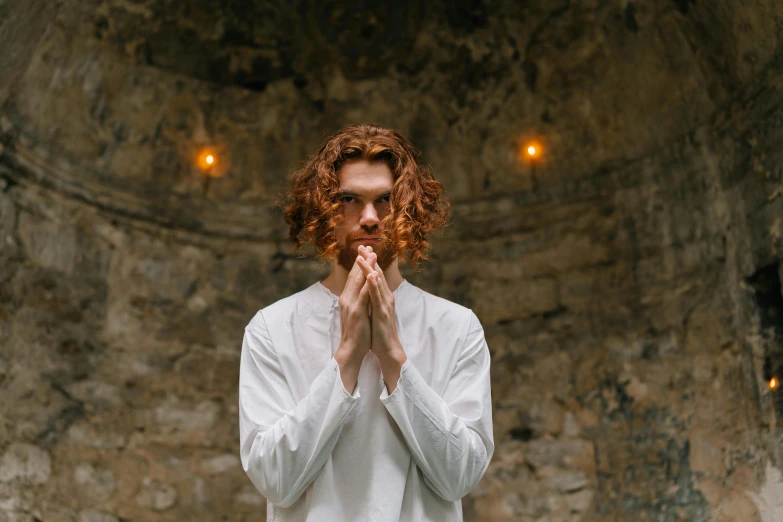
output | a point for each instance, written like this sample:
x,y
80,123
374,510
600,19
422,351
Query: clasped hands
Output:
x,y
383,317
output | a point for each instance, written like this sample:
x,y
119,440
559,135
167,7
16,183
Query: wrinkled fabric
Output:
x,y
319,453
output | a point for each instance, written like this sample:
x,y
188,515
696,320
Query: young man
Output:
x,y
364,398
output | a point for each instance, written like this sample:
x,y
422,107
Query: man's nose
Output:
x,y
369,216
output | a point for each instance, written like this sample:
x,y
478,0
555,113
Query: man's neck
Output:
x,y
336,280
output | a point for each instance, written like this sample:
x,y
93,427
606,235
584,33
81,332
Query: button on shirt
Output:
x,y
319,453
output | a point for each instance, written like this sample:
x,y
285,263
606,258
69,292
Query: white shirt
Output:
x,y
321,454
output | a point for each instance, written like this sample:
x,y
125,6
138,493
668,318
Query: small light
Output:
x,y
530,151
207,160
211,161
774,383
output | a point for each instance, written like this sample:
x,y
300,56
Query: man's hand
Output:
x,y
354,318
356,337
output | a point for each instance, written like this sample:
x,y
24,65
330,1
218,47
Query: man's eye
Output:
x,y
350,199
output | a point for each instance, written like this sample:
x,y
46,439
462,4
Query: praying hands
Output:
x,y
385,343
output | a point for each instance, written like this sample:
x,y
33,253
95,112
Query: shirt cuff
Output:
x,y
406,368
346,394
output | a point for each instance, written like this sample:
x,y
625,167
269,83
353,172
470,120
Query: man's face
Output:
x,y
365,195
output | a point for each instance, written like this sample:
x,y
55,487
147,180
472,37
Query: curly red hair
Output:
x,y
417,209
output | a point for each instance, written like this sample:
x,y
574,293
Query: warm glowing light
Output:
x,y
210,161
207,161
774,383
530,150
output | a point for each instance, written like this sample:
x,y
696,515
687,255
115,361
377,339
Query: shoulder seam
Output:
x,y
264,330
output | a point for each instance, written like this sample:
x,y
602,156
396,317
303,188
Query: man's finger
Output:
x,y
381,275
364,293
375,290
373,263
356,273
365,250
366,264
354,282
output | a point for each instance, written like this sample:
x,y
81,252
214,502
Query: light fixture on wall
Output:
x,y
212,162
773,383
207,160
531,151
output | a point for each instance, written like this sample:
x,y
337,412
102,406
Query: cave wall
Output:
x,y
628,282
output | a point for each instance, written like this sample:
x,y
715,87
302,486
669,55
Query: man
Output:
x,y
364,398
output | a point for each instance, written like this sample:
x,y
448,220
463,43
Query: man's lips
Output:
x,y
366,239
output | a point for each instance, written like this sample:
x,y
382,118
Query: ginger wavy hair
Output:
x,y
417,208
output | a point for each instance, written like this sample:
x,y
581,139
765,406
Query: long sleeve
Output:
x,y
284,444
450,437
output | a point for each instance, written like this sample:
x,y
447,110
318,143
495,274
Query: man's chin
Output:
x,y
347,258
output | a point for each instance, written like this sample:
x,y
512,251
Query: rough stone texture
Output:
x,y
628,282
25,462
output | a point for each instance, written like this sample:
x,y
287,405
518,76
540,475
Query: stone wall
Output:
x,y
628,282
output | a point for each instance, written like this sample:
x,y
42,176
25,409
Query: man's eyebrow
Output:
x,y
346,192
